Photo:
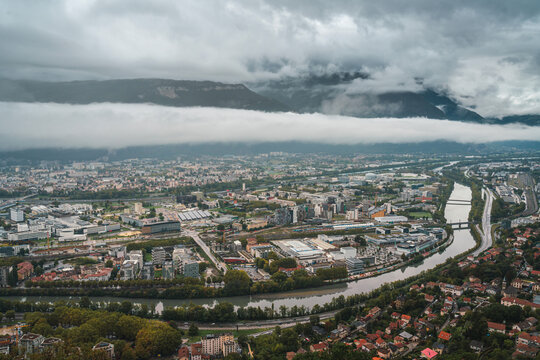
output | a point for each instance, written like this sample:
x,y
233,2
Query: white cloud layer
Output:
x,y
36,125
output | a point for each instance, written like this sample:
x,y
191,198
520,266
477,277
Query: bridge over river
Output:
x,y
460,224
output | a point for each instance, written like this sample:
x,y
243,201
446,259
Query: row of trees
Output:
x,y
334,273
237,282
279,281
501,210
114,284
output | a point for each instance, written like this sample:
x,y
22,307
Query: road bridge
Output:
x,y
460,224
458,202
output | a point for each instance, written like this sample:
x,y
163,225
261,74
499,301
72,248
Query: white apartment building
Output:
x,y
16,215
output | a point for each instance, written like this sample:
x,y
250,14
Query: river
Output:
x,y
463,241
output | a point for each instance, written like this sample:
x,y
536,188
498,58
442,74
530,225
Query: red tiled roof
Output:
x,y
25,265
520,302
428,353
319,347
360,342
444,335
496,326
529,338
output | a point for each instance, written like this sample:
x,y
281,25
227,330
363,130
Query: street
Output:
x,y
530,201
219,265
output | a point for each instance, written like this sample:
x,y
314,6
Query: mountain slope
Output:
x,y
330,94
531,120
452,111
156,91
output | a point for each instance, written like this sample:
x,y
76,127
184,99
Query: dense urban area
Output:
x,y
271,256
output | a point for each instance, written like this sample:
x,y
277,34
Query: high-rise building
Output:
x,y
352,214
223,344
295,215
228,347
354,266
211,344
283,216
4,275
147,271
191,268
137,257
158,255
184,263
128,270
16,214
138,208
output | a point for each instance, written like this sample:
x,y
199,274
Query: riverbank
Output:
x,y
310,298
188,289
193,315
442,245
162,289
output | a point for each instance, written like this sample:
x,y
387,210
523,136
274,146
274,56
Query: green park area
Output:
x,y
419,215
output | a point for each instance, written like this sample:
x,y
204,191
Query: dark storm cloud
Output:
x,y
484,53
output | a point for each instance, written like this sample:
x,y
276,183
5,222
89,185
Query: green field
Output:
x,y
419,214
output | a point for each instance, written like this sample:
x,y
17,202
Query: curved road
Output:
x,y
530,201
485,232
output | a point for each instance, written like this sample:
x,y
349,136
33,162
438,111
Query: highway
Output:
x,y
261,324
485,232
195,236
530,196
526,182
531,203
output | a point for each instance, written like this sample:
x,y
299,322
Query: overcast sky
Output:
x,y
484,53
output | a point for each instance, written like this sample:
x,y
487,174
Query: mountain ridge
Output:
x,y
157,91
326,94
